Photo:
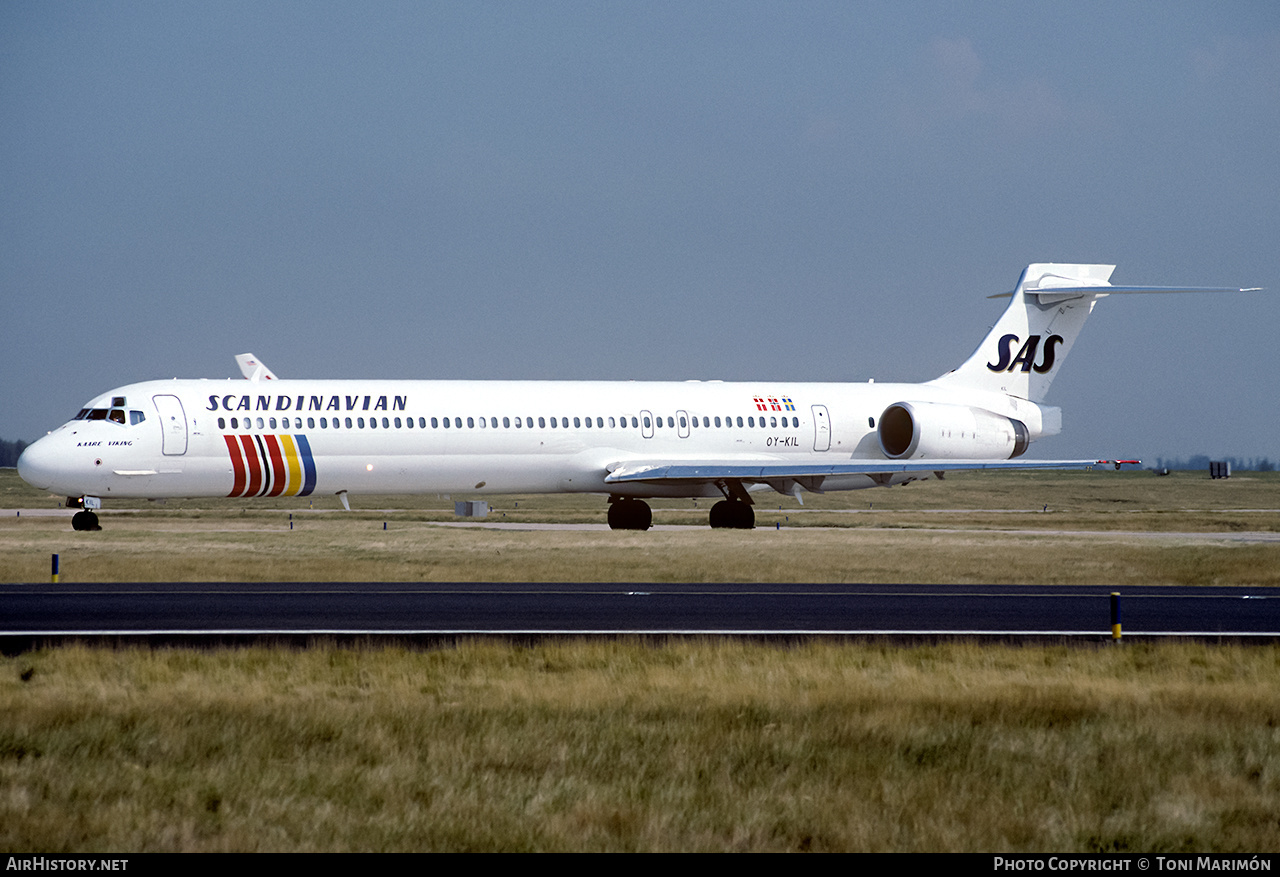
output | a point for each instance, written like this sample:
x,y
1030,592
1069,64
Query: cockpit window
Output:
x,y
115,415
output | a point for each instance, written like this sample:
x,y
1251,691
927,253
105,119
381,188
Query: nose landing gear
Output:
x,y
84,520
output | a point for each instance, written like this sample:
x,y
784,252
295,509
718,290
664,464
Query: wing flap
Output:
x,y
763,471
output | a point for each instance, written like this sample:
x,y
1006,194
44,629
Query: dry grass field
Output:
x,y
617,745
1022,528
677,745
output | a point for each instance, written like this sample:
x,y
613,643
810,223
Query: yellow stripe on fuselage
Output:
x,y
294,463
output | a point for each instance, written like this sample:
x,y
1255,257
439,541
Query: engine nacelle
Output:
x,y
935,430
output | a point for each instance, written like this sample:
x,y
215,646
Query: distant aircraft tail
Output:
x,y
1023,352
254,370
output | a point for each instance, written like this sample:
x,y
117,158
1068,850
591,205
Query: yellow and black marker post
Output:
x,y
1115,616
54,569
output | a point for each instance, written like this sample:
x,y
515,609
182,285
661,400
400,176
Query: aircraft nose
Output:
x,y
38,464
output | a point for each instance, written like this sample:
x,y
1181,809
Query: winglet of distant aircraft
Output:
x,y
253,369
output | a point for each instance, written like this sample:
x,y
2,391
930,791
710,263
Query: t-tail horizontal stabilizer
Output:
x,y
1025,349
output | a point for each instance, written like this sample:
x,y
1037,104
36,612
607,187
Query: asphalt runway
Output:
x,y
378,608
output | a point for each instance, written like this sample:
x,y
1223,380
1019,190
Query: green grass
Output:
x,y
627,746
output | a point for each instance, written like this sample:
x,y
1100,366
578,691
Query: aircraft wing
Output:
x,y
659,471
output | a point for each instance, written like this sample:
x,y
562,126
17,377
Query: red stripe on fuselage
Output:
x,y
255,471
237,465
281,474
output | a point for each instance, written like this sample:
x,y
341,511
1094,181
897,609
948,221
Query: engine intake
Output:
x,y
935,430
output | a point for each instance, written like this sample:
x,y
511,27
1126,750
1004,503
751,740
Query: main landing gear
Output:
x,y
732,514
84,520
630,514
635,514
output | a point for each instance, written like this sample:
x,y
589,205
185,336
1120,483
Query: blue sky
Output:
x,y
650,191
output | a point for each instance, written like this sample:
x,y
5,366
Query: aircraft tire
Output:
x,y
644,515
84,520
630,514
721,515
731,514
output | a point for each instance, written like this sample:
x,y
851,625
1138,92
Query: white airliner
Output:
x,y
628,440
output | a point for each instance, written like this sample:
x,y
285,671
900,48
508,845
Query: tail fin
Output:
x,y
1024,350
252,369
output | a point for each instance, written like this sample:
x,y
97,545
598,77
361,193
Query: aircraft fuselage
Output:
x,y
305,437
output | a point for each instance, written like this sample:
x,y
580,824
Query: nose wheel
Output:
x,y
84,520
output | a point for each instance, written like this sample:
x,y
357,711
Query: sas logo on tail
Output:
x,y
1026,356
